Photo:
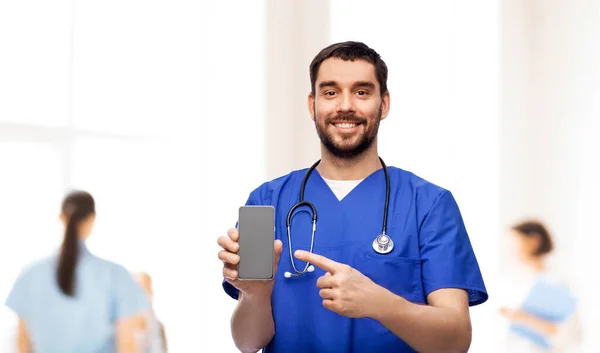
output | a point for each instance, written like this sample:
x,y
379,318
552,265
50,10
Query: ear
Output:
x,y
385,105
535,245
311,106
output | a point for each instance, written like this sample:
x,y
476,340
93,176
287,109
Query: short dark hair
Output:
x,y
536,229
350,51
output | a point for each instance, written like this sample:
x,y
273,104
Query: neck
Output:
x,y
81,242
356,168
535,263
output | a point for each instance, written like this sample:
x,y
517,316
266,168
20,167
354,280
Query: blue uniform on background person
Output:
x,y
75,302
414,298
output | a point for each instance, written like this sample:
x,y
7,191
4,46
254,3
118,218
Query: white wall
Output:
x,y
296,31
549,61
586,260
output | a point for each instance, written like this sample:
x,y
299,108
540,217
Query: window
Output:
x,y
30,182
147,114
34,65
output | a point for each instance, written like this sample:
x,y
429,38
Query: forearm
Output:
x,y
425,328
252,325
23,342
23,346
126,330
127,346
536,323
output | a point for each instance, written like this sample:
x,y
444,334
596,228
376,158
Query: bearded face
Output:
x,y
347,135
347,106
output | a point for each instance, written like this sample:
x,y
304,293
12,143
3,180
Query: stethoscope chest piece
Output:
x,y
383,244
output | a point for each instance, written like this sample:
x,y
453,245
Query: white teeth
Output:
x,y
345,125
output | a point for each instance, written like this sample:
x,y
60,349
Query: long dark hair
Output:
x,y
76,207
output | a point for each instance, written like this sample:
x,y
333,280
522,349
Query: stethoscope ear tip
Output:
x,y
310,268
287,275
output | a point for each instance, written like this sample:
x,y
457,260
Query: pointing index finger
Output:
x,y
318,260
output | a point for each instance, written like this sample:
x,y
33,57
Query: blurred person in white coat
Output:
x,y
531,244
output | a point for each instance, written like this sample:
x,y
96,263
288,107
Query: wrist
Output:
x,y
257,296
384,303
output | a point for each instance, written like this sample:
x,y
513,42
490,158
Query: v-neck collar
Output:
x,y
341,188
323,184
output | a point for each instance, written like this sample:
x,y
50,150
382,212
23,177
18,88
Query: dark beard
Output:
x,y
348,152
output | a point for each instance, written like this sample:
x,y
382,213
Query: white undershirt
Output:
x,y
341,188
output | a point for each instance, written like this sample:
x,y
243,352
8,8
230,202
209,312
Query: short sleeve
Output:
x,y
227,287
129,297
447,257
19,297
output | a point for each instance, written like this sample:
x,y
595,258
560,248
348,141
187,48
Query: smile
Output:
x,y
347,128
346,125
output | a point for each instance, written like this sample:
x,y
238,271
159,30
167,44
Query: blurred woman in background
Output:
x,y
75,302
543,316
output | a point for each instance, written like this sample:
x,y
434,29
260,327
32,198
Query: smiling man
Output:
x,y
394,270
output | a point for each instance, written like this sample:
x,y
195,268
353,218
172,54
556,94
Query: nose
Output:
x,y
346,103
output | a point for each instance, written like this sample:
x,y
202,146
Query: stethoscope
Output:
x,y
383,244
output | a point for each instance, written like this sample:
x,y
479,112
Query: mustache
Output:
x,y
346,118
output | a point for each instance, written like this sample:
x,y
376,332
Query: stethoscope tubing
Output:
x,y
301,202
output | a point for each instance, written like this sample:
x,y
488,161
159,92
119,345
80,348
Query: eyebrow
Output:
x,y
366,84
327,84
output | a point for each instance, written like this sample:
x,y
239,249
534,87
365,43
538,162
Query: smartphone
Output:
x,y
256,227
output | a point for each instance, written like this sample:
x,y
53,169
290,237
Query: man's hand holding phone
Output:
x,y
230,258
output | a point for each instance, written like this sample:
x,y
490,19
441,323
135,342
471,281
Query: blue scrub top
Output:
x,y
432,251
104,293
